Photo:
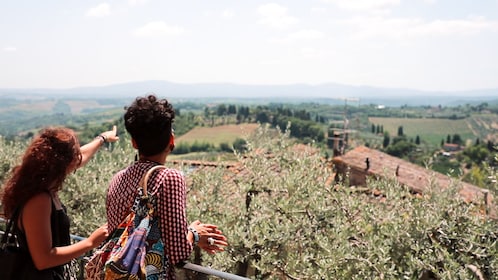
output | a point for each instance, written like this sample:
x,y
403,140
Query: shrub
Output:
x,y
286,220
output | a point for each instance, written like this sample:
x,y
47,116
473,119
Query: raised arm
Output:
x,y
89,149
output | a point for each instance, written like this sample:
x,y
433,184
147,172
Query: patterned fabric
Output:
x,y
94,268
169,189
128,258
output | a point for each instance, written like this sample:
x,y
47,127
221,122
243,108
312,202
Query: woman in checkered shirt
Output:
x,y
149,122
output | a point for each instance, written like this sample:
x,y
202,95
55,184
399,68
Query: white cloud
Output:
x,y
136,2
318,10
306,34
406,28
101,10
275,16
310,53
9,49
363,4
301,35
157,28
225,14
462,27
373,6
270,62
228,13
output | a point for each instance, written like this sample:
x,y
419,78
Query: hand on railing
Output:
x,y
211,239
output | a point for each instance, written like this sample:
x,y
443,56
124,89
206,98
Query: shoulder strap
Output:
x,y
55,224
143,185
145,178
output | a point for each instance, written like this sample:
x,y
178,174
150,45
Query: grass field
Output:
x,y
486,126
218,134
431,131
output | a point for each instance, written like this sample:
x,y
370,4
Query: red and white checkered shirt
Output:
x,y
169,187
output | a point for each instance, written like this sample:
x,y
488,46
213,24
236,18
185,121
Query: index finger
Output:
x,y
115,130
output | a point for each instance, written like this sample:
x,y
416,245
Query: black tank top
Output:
x,y
59,225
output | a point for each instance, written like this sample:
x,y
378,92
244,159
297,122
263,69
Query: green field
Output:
x,y
218,134
431,131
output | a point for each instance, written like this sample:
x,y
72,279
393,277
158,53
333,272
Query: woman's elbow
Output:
x,y
42,264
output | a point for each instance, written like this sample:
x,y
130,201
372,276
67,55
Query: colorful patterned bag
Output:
x,y
94,268
135,249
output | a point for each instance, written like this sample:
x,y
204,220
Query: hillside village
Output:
x,y
362,164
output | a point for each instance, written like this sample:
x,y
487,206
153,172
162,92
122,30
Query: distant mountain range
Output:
x,y
331,93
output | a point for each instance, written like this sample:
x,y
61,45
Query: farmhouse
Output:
x,y
449,147
363,162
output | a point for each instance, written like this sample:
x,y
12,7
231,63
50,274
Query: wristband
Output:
x,y
102,137
195,234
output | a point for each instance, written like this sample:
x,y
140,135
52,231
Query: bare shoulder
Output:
x,y
39,204
41,198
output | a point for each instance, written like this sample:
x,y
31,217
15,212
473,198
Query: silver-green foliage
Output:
x,y
285,219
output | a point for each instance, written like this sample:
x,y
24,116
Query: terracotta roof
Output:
x,y
381,165
415,177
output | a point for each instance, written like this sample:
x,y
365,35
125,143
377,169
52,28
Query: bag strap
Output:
x,y
143,183
10,223
145,178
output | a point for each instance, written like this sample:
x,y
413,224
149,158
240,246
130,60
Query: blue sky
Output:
x,y
417,44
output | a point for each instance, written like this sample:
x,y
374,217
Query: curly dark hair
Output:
x,y
149,121
45,164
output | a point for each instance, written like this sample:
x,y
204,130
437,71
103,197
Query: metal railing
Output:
x,y
186,265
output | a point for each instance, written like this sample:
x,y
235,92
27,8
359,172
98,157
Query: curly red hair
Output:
x,y
45,164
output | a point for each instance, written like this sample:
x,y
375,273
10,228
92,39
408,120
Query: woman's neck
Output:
x,y
56,200
159,159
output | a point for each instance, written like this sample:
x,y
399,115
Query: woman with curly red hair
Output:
x,y
30,195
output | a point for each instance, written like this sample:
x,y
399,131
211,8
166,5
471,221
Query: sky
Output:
x,y
435,45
